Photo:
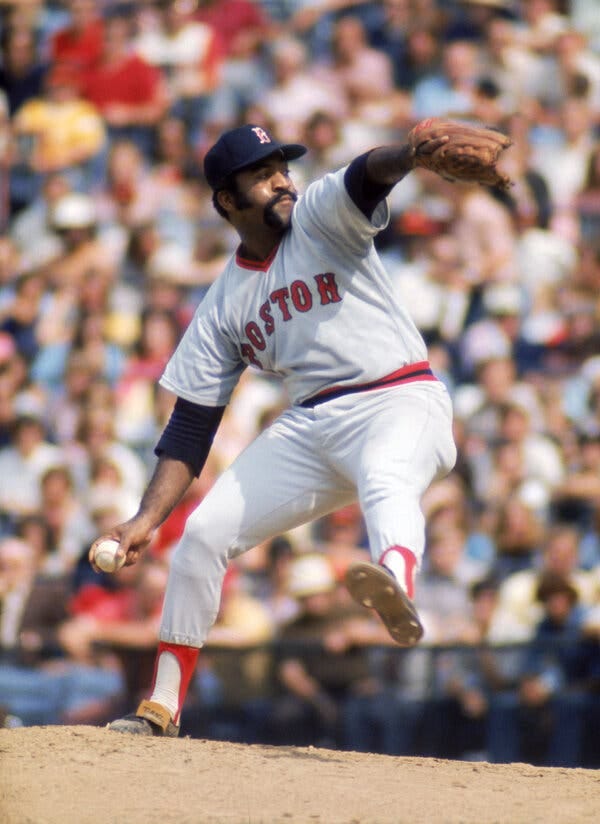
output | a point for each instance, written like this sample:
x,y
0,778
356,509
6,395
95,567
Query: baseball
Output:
x,y
106,558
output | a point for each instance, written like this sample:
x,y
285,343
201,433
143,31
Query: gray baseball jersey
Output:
x,y
320,312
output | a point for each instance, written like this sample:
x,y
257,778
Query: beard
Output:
x,y
272,219
270,216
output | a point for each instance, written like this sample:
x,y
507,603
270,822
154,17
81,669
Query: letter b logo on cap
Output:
x,y
261,134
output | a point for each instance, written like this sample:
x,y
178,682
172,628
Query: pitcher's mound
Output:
x,y
86,775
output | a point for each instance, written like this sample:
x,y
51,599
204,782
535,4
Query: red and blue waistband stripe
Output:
x,y
420,371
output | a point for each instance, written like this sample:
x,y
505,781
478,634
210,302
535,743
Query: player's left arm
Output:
x,y
370,177
387,165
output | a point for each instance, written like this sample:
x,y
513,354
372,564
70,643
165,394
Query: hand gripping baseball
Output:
x,y
133,537
470,153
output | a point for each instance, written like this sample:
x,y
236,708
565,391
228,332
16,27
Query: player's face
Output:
x,y
266,192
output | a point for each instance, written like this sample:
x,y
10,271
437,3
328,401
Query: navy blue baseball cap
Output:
x,y
242,147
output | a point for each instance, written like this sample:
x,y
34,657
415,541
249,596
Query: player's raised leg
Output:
x,y
403,442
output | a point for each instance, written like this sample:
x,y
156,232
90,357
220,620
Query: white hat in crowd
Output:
x,y
73,211
310,574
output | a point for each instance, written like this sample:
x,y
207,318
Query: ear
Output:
x,y
225,200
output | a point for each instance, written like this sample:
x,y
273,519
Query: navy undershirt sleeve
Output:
x,y
364,192
189,434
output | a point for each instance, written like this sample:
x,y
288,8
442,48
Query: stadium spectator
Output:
x,y
542,462
389,716
443,597
84,348
79,44
33,605
13,374
423,56
578,66
35,531
74,220
22,311
131,196
314,685
129,93
67,518
189,55
563,163
518,611
96,439
486,236
23,463
22,72
542,23
244,29
173,155
450,91
356,71
241,24
576,498
295,79
271,585
109,634
495,383
465,679
30,229
587,202
124,614
518,532
323,137
39,684
341,536
68,397
233,690
58,131
134,419
516,71
543,720
389,33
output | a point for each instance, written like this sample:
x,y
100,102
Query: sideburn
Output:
x,y
240,200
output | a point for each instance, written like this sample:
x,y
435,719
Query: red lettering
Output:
x,y
255,336
327,287
280,297
248,354
301,296
267,318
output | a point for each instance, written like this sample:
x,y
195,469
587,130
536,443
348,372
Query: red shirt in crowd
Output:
x,y
81,49
131,82
231,18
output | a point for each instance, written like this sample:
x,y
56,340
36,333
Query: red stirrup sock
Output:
x,y
173,670
402,563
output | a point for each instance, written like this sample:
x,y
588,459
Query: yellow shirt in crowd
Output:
x,y
65,133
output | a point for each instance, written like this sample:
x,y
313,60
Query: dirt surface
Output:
x,y
86,775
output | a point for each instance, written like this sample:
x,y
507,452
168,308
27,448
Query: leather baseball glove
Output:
x,y
470,153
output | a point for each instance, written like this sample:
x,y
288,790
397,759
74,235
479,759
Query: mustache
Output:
x,y
279,197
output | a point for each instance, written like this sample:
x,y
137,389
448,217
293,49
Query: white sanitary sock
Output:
x,y
395,562
168,681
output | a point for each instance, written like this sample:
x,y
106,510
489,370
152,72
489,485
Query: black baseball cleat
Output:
x,y
150,718
375,587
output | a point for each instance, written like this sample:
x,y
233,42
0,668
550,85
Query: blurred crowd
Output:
x,y
108,241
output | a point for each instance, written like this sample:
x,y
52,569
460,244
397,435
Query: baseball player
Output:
x,y
305,297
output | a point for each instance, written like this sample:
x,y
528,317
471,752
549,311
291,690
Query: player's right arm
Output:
x,y
168,484
182,452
